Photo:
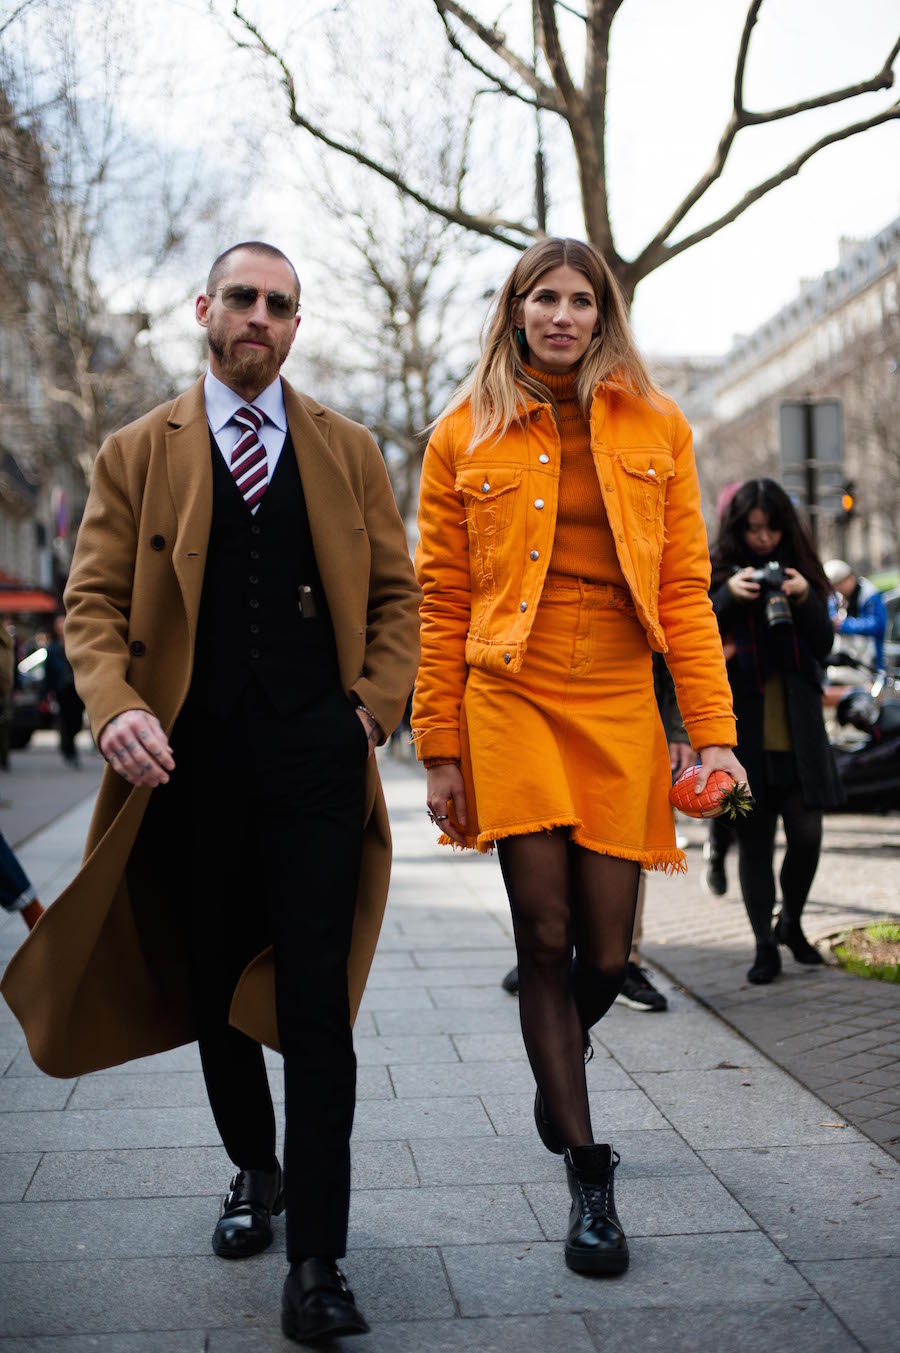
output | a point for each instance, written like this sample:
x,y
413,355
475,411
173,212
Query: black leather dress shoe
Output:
x,y
595,1242
318,1304
244,1226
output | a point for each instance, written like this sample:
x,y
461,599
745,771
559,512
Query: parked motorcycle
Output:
x,y
869,766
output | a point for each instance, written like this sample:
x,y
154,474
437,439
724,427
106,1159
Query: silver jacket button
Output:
x,y
535,554
485,488
539,503
523,606
651,470
506,657
543,458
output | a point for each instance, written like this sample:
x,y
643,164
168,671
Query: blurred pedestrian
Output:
x,y
59,686
16,891
770,595
858,616
242,622
561,539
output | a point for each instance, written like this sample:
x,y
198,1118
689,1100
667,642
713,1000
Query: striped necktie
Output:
x,y
249,467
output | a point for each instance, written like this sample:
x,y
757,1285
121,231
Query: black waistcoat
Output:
x,y
263,615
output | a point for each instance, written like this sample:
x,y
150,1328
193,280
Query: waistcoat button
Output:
x,y
253,603
157,542
544,458
539,503
535,554
485,488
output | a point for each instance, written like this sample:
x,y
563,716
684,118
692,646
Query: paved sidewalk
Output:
x,y
755,1221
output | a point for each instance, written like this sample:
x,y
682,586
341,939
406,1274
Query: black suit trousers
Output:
x,y
275,807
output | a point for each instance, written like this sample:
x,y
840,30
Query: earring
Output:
x,y
520,339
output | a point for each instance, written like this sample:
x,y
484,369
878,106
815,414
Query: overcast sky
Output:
x,y
671,75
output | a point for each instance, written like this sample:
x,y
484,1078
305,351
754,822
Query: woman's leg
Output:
x,y
803,833
603,899
756,845
536,872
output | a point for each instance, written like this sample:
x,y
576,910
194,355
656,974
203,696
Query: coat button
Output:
x,y
485,488
539,503
137,648
535,554
506,657
523,606
544,458
157,542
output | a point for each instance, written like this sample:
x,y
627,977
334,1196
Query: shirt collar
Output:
x,y
222,403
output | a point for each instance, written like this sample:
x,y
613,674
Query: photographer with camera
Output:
x,y
770,596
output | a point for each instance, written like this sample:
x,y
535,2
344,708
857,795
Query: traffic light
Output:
x,y
848,503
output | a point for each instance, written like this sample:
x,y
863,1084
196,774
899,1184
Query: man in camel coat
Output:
x,y
242,623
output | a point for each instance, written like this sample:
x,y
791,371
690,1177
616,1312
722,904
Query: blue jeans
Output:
x,y
15,890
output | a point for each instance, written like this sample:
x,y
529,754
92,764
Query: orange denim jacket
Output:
x,y
487,521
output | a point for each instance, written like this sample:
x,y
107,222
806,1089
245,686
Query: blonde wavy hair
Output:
x,y
497,388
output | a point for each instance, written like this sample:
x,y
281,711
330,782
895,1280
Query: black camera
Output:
x,y
777,608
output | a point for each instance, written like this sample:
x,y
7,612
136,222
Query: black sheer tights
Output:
x,y
564,897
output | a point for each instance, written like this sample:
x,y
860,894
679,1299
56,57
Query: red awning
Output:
x,y
17,600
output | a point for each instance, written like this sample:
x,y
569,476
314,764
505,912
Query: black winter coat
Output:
x,y
798,652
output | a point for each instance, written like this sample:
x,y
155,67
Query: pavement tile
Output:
x,y
465,997
654,1206
401,1048
611,1110
462,1078
669,1271
113,1228
404,1118
763,1107
21,1093
98,1129
152,1341
529,1334
486,1213
389,998
687,1040
499,958
864,1293
828,1202
474,1160
801,1326
16,1171
483,1021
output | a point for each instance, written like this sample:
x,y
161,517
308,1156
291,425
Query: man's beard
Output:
x,y
250,369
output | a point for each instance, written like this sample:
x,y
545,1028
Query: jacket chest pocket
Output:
x,y
489,496
645,473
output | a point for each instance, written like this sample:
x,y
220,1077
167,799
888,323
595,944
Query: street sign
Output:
x,y
812,455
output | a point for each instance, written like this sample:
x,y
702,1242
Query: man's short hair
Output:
x,y
217,271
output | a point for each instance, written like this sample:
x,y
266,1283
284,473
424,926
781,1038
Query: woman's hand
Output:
x,y
718,758
742,586
795,587
446,800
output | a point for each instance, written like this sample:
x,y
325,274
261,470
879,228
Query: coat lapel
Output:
x,y
190,484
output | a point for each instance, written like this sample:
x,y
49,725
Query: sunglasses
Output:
x,y
280,304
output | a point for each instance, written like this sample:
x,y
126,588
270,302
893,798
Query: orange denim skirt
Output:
x,y
574,739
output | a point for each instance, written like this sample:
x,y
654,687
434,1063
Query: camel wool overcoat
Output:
x,y
102,978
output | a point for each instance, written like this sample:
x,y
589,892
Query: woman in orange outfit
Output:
x,y
560,541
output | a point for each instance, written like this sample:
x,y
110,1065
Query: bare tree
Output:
x,y
547,85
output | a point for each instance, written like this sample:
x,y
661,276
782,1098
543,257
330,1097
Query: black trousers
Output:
x,y
276,813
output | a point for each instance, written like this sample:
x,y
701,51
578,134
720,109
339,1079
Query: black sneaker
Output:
x,y
713,880
638,992
510,982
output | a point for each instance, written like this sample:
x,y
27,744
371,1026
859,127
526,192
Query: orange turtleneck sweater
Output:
x,y
583,546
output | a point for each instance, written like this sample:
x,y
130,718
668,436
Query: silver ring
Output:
x,y
442,817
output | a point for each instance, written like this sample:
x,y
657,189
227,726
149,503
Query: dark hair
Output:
x,y
795,549
217,271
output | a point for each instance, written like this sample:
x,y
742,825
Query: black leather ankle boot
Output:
x,y
767,964
596,1242
789,933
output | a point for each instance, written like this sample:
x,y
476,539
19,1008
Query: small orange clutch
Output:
x,y
720,796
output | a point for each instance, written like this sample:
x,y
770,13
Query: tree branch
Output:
x,y
884,79
501,87
496,42
662,254
494,227
740,67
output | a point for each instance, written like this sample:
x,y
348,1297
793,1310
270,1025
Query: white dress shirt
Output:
x,y
222,403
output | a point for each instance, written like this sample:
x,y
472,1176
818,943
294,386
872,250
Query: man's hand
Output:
x,y
372,727
135,745
681,755
446,801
